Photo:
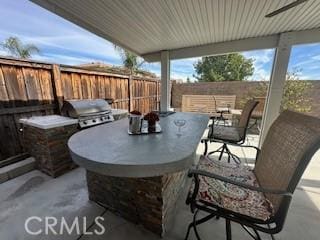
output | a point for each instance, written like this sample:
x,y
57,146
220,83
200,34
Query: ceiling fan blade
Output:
x,y
285,8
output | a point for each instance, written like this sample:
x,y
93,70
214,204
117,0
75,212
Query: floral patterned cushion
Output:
x,y
231,197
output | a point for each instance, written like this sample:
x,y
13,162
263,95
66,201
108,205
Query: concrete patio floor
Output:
x,y
35,194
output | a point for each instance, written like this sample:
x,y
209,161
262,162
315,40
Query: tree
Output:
x,y
233,67
132,62
295,94
129,59
16,48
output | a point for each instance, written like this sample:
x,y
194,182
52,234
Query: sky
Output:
x,y
62,42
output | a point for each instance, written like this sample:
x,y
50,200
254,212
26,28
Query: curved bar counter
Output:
x,y
138,176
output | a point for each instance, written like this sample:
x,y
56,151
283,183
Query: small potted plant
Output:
x,y
152,119
135,112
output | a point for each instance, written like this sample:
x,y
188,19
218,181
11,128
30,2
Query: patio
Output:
x,y
67,196
162,31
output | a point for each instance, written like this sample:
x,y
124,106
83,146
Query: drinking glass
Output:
x,y
179,123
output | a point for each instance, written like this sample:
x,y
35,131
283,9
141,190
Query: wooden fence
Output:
x,y
30,88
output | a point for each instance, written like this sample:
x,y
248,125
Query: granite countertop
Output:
x,y
52,121
108,149
49,121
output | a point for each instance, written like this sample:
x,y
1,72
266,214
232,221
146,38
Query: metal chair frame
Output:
x,y
221,112
224,148
271,226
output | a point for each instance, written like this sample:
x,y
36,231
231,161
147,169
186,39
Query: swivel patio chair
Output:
x,y
257,113
230,134
222,105
220,112
258,199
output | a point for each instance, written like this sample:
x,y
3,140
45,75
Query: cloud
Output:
x,y
84,43
306,58
260,56
311,76
3,53
152,67
183,77
261,74
53,35
183,69
61,58
316,57
262,63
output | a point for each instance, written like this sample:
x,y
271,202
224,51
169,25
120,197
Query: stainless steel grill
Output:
x,y
89,112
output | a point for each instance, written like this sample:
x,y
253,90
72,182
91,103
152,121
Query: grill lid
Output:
x,y
78,108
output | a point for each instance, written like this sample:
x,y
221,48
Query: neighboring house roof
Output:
x,y
105,67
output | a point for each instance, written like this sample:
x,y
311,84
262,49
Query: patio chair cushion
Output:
x,y
225,133
231,197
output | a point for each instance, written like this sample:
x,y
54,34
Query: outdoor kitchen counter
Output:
x,y
109,150
139,177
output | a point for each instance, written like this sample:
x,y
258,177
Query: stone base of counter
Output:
x,y
49,148
147,201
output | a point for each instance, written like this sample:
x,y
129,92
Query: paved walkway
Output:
x,y
35,194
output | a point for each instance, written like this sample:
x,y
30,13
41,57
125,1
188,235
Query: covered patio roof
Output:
x,y
165,30
146,27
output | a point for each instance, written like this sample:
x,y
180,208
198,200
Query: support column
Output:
x,y
276,85
165,81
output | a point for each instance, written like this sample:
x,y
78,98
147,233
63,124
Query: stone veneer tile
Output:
x,y
49,147
148,201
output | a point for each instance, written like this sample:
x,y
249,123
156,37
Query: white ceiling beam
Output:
x,y
306,36
248,44
226,47
218,48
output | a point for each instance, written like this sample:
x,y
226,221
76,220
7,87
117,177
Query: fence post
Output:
x,y
130,92
157,93
57,84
